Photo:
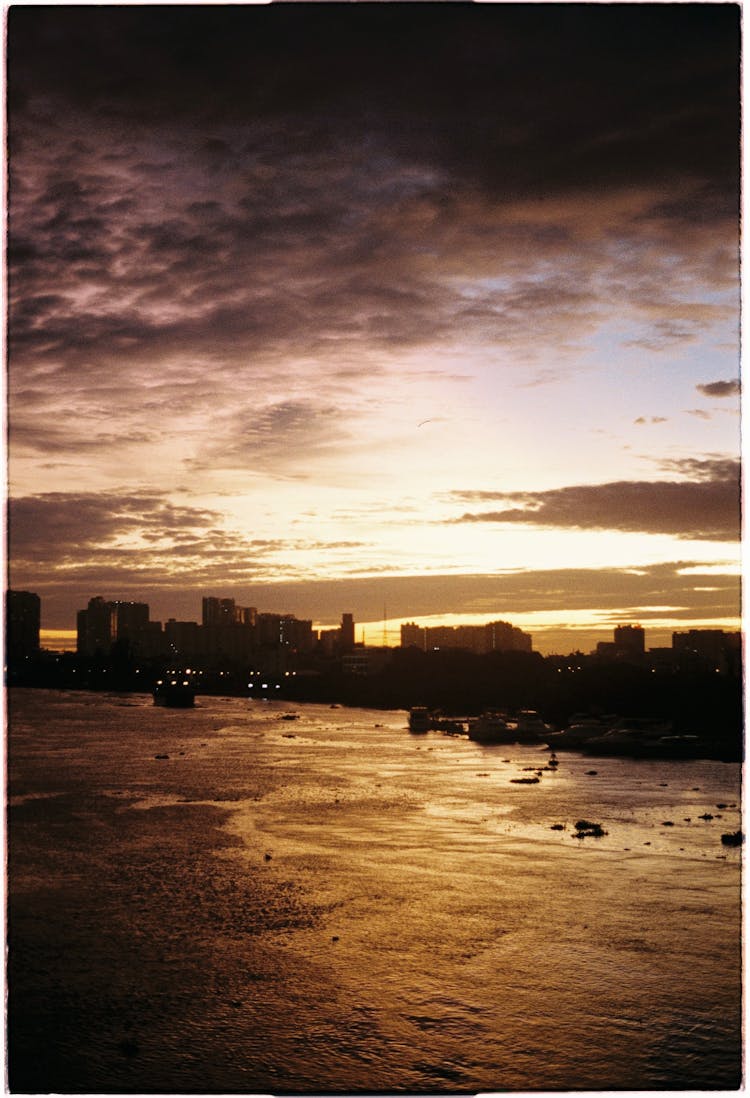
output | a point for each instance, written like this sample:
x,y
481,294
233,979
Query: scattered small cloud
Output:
x,y
720,388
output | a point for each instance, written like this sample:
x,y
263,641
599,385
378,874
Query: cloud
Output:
x,y
244,240
412,63
217,212
613,594
138,540
650,419
704,508
720,388
282,439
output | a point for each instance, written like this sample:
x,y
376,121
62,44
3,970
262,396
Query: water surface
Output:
x,y
333,905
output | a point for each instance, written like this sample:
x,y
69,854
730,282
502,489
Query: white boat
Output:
x,y
491,727
577,733
640,737
530,728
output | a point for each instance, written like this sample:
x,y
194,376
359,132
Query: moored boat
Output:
x,y
420,719
491,727
175,693
628,736
530,728
449,725
576,734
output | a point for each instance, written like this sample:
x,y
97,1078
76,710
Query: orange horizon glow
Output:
x,y
552,634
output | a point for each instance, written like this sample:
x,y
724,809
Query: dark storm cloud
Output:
x,y
289,260
704,508
229,181
666,79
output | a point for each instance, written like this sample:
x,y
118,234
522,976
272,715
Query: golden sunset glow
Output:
x,y
374,657
263,346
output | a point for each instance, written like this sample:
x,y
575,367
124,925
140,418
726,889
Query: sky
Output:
x,y
414,311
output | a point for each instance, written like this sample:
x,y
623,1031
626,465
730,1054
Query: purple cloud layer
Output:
x,y
203,192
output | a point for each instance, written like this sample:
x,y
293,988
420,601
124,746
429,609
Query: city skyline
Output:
x,y
424,312
238,634
388,633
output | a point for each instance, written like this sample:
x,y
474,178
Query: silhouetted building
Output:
x,y
296,633
504,637
361,662
662,659
347,632
284,631
335,643
495,636
95,628
218,611
22,621
413,636
709,650
134,631
328,642
229,632
131,618
183,638
629,645
631,639
103,624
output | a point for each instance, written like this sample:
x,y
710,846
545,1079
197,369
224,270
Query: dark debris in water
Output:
x,y
587,827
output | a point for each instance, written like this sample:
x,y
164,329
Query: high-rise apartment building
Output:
x,y
347,632
22,620
96,627
183,639
103,623
496,636
218,611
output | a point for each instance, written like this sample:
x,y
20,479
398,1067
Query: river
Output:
x,y
223,901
